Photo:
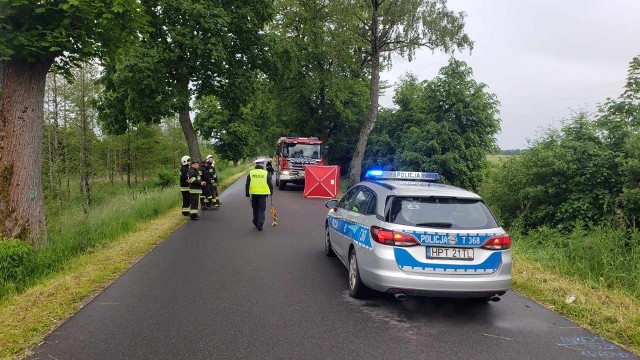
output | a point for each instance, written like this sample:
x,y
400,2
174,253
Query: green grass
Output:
x,y
71,232
611,313
604,256
115,211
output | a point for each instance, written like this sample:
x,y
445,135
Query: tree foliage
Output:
x,y
196,48
447,125
586,172
43,31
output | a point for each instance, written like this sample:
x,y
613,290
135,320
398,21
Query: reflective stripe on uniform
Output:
x,y
184,188
195,191
258,184
193,211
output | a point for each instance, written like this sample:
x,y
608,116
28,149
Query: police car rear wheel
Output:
x,y
357,289
327,244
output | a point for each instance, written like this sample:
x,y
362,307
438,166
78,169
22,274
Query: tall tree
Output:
x,y
318,85
198,47
381,28
33,36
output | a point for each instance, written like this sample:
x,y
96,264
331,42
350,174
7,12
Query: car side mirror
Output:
x,y
331,204
277,151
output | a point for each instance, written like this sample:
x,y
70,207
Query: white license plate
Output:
x,y
449,253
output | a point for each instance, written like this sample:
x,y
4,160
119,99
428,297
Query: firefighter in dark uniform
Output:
x,y
213,186
257,188
205,197
184,184
270,168
195,189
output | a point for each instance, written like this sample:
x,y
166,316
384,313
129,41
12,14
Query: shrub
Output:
x,y
15,258
165,178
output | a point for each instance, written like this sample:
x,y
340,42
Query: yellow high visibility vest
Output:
x,y
258,184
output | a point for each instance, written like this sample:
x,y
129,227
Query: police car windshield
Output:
x,y
302,150
449,213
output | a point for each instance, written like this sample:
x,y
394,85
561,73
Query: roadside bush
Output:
x,y
15,260
165,178
569,175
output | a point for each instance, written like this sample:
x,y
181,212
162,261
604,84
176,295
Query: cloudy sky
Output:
x,y
542,58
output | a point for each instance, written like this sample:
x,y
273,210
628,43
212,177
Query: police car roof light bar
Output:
x,y
402,175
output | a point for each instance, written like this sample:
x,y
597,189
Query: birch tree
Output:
x,y
382,28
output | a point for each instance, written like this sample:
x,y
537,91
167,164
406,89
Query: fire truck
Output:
x,y
292,155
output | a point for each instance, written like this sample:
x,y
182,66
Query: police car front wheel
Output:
x,y
327,244
357,289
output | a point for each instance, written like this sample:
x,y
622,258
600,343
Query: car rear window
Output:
x,y
445,213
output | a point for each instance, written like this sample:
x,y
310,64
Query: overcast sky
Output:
x,y
542,58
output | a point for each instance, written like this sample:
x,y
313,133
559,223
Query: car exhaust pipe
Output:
x,y
494,298
401,296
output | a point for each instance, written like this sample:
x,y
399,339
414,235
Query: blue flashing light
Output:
x,y
403,175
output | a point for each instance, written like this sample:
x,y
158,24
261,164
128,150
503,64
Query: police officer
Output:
x,y
213,186
257,188
206,198
184,184
195,189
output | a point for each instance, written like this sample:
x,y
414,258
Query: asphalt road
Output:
x,y
219,289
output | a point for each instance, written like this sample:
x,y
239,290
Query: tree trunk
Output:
x,y
65,154
187,126
355,169
56,142
22,87
84,147
128,157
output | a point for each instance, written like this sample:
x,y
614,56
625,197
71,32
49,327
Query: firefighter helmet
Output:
x,y
210,159
185,160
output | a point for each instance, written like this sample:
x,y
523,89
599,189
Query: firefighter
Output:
x,y
184,184
211,167
270,168
195,189
206,198
257,188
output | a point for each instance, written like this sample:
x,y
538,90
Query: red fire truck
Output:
x,y
292,155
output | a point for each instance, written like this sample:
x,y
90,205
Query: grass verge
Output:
x,y
28,317
612,314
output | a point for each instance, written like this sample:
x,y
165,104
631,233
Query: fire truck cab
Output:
x,y
292,155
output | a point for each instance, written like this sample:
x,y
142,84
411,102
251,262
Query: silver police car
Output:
x,y
405,234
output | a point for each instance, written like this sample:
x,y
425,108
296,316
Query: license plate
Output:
x,y
449,253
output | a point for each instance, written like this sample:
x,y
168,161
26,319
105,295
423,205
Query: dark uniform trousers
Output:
x,y
259,205
207,197
186,200
184,189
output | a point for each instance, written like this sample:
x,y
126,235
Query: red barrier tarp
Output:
x,y
321,181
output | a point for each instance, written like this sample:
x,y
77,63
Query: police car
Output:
x,y
405,234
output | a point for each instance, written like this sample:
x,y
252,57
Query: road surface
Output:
x,y
219,289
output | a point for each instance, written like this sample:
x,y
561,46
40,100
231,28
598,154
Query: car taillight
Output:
x,y
392,238
501,242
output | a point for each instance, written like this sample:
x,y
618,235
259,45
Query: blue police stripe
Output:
x,y
356,232
404,259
